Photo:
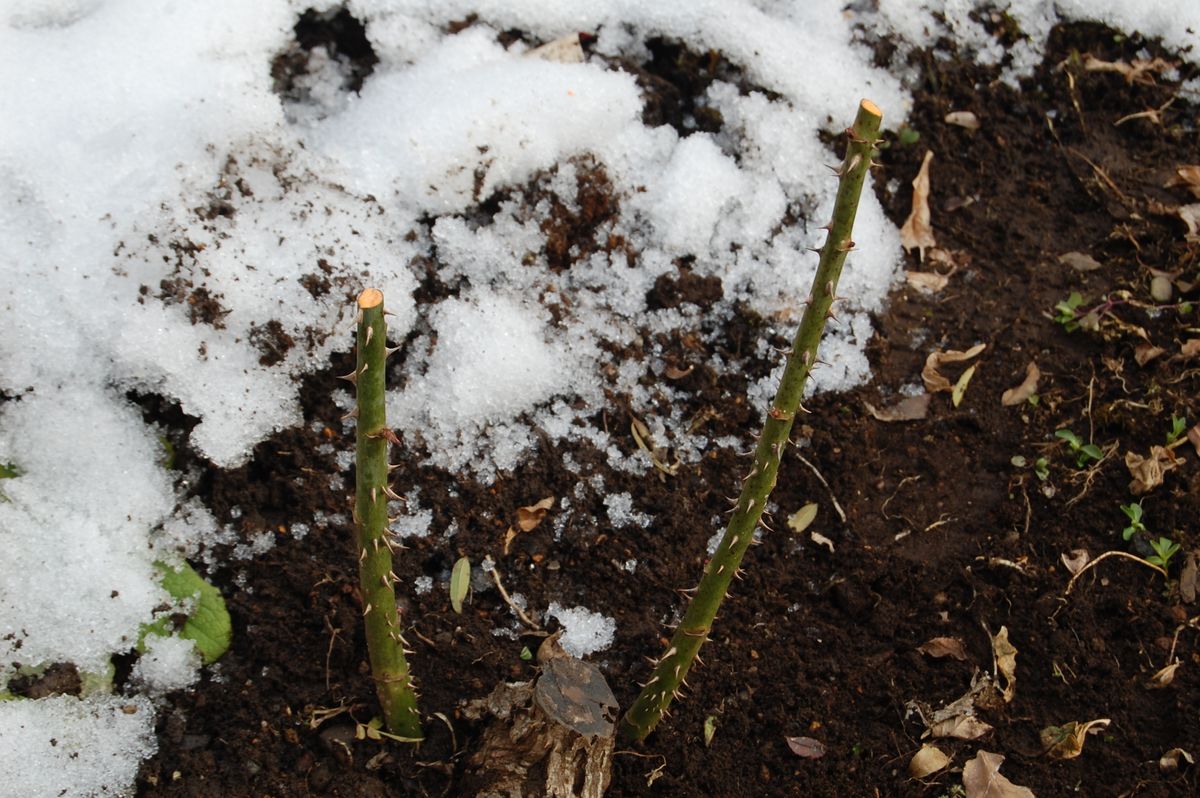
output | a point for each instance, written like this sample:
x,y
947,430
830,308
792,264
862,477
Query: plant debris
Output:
x,y
1027,388
806,747
910,408
917,232
938,647
1147,472
932,377
1005,657
1066,741
930,759
1079,261
528,518
965,119
981,778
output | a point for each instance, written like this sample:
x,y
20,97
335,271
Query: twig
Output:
x,y
1123,554
512,605
832,498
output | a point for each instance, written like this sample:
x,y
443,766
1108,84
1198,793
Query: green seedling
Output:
x,y
385,646
693,630
1067,312
207,625
8,471
1164,550
1178,428
1083,451
1041,468
460,583
1134,513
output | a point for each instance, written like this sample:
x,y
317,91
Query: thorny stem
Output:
x,y
393,682
693,630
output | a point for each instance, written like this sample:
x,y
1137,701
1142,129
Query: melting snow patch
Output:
x,y
584,632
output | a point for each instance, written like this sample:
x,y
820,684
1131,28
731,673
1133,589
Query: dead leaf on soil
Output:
x,y
1190,347
1075,560
926,282
1187,578
939,647
929,759
1004,654
564,50
1169,762
806,747
917,232
981,778
957,719
963,119
934,381
1144,352
960,387
1188,176
1066,741
1190,214
800,520
962,727
1147,472
1163,676
1079,261
1138,70
1193,435
529,517
910,408
1027,388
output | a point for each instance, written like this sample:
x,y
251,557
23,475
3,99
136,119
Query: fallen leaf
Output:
x,y
1143,353
564,50
710,729
917,231
1190,347
1190,214
821,540
529,517
460,583
1079,261
1169,762
799,520
806,747
1188,176
1193,435
1187,578
910,408
934,381
981,778
1076,560
1163,676
1027,388
1005,655
963,119
962,727
960,387
929,759
1066,741
1147,472
938,647
927,282
1136,71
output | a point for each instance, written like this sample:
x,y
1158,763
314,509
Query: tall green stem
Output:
x,y
693,630
393,682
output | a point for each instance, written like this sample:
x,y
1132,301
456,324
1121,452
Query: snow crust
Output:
x,y
169,225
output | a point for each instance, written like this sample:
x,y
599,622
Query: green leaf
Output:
x,y
460,583
960,387
526,654
1070,437
209,625
800,520
710,728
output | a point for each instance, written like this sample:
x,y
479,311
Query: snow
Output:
x,y
584,632
194,236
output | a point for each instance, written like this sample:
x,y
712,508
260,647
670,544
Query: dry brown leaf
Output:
x,y
1005,655
1143,353
1079,261
1027,388
806,747
1187,578
1137,70
1066,741
929,759
962,727
938,647
934,381
1163,676
1188,176
672,372
1169,762
917,232
565,50
1075,560
927,282
963,119
529,517
981,778
910,408
1190,347
1147,472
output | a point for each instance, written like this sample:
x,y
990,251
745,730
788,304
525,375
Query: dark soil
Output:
x,y
943,535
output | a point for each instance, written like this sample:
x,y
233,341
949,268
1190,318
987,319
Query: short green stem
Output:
x,y
692,632
385,646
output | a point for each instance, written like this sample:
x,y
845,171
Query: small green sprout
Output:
x,y
1082,451
1164,550
1134,512
1178,427
907,136
1068,311
526,654
1042,469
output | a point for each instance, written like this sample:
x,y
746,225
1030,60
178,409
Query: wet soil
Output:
x,y
952,527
